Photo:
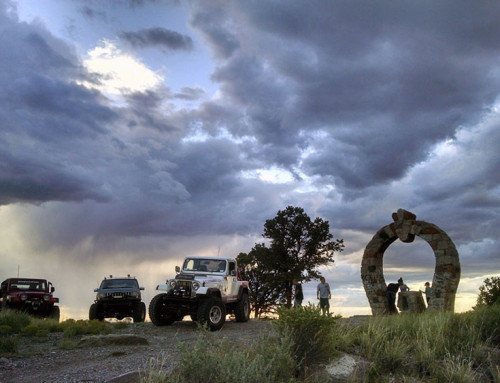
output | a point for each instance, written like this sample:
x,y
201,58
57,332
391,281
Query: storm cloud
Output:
x,y
348,109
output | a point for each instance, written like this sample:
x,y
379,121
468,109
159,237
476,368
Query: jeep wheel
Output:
x,y
158,312
140,313
95,312
55,313
212,313
242,311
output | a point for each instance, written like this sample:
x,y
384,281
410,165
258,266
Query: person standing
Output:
x,y
390,294
324,295
298,296
428,291
402,286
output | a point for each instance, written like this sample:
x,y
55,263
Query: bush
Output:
x,y
222,361
8,345
486,320
443,346
74,328
5,329
47,325
15,319
30,330
313,335
489,293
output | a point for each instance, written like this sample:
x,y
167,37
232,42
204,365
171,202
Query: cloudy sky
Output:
x,y
134,133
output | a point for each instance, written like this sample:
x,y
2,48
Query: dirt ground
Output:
x,y
44,360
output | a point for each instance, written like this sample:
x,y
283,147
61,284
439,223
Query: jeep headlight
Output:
x,y
101,295
196,286
172,283
135,294
23,297
46,298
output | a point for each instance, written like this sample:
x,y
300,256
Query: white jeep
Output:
x,y
207,289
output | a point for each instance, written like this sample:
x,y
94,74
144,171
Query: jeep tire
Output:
x,y
140,313
242,310
55,313
95,312
212,313
158,312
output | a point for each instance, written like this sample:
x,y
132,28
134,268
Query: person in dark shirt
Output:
x,y
298,295
392,289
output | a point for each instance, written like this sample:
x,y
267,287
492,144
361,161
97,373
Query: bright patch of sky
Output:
x,y
113,67
86,29
272,175
199,135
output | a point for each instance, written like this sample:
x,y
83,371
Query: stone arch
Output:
x,y
406,227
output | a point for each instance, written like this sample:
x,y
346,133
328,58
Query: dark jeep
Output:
x,y
118,298
30,295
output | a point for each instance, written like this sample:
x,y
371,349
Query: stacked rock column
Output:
x,y
372,269
447,271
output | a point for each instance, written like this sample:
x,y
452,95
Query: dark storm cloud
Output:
x,y
352,95
384,83
42,111
219,30
158,37
35,182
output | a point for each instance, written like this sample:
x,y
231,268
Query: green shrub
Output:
x,y
67,344
426,345
47,325
487,320
222,361
30,330
5,329
8,345
74,328
314,335
17,320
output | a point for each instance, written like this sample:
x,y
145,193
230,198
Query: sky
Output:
x,y
134,133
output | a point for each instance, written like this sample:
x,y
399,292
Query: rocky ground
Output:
x,y
43,360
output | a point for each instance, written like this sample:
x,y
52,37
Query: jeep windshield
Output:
x,y
28,285
119,284
205,265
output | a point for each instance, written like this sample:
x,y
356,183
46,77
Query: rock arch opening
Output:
x,y
405,228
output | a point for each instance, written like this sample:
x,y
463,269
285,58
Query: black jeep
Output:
x,y
118,298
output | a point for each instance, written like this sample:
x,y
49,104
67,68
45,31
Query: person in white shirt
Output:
x,y
324,295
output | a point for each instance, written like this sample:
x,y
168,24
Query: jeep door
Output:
x,y
232,282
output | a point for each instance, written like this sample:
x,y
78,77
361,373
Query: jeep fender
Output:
x,y
208,291
163,287
242,290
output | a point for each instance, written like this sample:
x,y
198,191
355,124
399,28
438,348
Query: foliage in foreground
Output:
x,y
301,338
224,361
313,335
14,324
442,347
430,348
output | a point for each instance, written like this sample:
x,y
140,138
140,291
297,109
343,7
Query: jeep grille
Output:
x,y
182,289
118,295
